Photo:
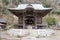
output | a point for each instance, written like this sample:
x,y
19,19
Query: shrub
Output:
x,y
50,21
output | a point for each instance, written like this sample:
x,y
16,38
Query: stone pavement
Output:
x,y
56,36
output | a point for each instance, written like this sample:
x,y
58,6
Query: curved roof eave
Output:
x,y
34,9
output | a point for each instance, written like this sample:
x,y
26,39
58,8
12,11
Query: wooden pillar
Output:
x,y
41,20
35,21
18,20
23,21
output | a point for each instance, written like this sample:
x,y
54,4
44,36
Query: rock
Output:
x,y
34,33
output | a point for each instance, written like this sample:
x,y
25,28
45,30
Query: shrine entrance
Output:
x,y
30,22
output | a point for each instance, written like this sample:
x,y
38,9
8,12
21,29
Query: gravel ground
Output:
x,y
56,36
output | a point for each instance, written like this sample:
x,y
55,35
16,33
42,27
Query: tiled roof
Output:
x,y
2,20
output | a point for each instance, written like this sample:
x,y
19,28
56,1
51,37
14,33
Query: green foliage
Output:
x,y
0,8
50,21
15,2
56,12
5,1
46,4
